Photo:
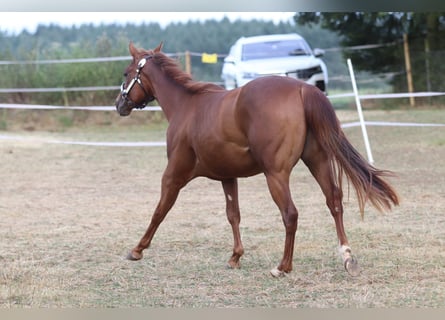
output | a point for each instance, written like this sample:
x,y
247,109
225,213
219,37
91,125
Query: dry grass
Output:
x,y
69,214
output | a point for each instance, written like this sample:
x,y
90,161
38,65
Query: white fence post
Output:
x,y
360,113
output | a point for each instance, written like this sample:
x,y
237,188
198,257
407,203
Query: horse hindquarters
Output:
x,y
276,131
367,180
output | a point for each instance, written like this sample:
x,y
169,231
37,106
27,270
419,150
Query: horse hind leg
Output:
x,y
279,188
318,163
230,188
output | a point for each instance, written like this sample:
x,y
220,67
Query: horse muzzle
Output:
x,y
122,106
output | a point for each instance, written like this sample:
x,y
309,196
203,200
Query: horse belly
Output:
x,y
227,161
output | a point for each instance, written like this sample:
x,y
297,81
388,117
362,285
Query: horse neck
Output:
x,y
170,95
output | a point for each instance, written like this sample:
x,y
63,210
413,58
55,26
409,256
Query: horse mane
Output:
x,y
173,70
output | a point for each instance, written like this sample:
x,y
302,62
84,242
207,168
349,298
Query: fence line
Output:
x,y
387,95
85,143
391,124
158,108
89,108
74,60
9,137
178,54
112,88
58,61
60,89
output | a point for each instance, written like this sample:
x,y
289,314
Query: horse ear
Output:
x,y
132,49
159,47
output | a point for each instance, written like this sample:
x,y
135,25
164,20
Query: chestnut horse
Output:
x,y
264,127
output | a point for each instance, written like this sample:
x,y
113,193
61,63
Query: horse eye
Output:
x,y
125,74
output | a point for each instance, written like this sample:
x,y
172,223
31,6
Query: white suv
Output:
x,y
279,54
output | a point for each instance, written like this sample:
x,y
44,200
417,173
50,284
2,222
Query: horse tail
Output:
x,y
368,181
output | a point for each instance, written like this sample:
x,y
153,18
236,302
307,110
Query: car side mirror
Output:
x,y
229,59
318,52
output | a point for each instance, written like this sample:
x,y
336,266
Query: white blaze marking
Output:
x,y
229,197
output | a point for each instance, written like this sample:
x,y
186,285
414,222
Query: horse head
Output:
x,y
136,90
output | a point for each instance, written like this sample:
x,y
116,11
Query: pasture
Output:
x,y
69,214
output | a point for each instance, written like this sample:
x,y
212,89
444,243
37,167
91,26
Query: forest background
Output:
x,y
380,68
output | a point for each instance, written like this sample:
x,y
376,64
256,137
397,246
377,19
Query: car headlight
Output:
x,y
305,74
317,69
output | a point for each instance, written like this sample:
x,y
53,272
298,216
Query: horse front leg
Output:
x,y
230,187
169,193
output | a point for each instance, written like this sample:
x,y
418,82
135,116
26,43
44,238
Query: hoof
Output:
x,y
352,267
277,273
132,256
233,265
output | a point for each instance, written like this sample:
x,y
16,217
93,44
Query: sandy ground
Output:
x,y
70,213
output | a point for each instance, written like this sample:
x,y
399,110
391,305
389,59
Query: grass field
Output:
x,y
69,214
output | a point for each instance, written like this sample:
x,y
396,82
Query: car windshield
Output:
x,y
274,49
